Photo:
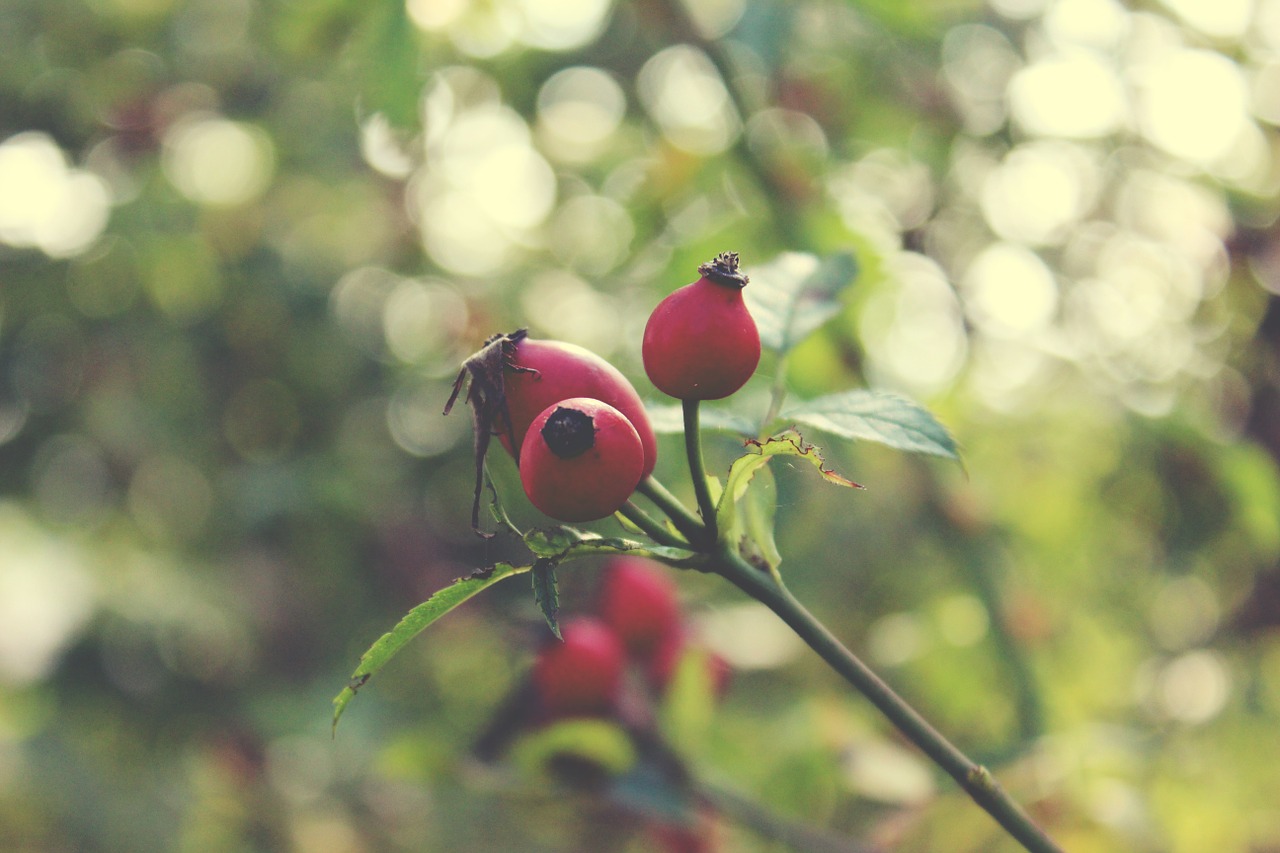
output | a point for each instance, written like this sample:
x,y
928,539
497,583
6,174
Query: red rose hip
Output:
x,y
583,674
701,343
639,602
581,460
540,373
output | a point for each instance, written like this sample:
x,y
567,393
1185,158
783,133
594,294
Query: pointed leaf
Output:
x,y
546,593
414,622
759,453
878,416
793,295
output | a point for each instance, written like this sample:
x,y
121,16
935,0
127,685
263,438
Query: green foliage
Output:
x,y
415,622
795,294
222,461
546,592
879,416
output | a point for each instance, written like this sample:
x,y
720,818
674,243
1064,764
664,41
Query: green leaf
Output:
x,y
599,742
688,708
414,622
759,506
565,543
878,416
794,294
668,419
545,591
759,453
555,541
385,61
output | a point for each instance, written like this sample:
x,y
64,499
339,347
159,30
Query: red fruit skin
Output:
x,y
638,600
589,486
564,371
701,343
582,675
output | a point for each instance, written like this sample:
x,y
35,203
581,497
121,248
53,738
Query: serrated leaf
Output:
x,y
758,508
878,416
793,295
759,453
546,592
668,419
414,622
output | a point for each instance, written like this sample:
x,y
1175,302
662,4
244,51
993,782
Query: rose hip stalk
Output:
x,y
701,343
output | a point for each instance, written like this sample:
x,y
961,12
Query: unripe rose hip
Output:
x,y
581,460
582,674
701,343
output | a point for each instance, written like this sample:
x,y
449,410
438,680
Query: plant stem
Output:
x,y
697,470
976,780
652,528
684,520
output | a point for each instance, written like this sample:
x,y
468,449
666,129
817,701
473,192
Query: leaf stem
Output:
x,y
976,780
697,469
684,520
651,527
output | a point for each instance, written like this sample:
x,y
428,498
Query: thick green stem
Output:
x,y
976,780
652,528
686,522
697,470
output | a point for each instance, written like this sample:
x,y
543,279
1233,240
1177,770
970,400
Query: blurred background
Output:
x,y
245,244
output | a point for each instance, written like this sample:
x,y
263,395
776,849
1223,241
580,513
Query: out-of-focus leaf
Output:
x,y
385,61
669,420
759,453
546,591
688,707
414,622
877,416
600,742
793,295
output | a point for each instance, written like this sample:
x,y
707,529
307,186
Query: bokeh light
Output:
x,y
45,203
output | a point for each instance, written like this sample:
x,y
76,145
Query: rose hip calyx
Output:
x,y
569,432
723,269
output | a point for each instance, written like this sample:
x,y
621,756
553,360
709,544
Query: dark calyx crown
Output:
x,y
569,432
723,269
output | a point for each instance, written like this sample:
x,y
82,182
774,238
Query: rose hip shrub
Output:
x,y
583,443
